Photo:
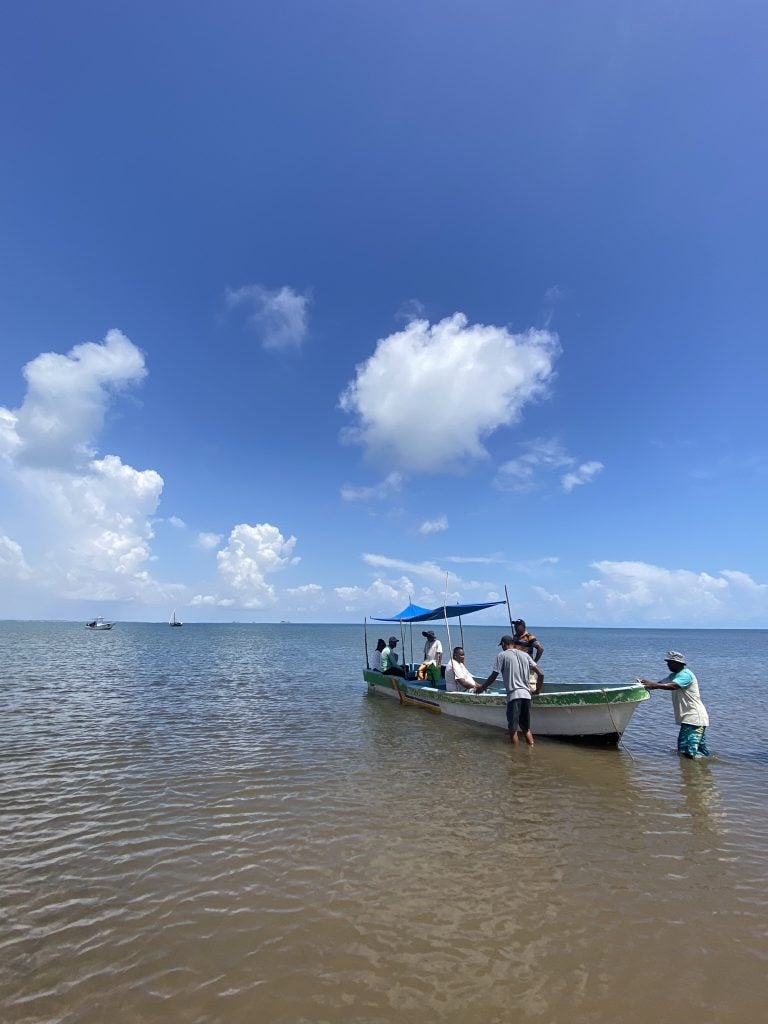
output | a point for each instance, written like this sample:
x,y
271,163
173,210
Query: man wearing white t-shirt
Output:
x,y
458,678
433,657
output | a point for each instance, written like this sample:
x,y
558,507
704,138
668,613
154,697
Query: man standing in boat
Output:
x,y
515,667
433,658
525,641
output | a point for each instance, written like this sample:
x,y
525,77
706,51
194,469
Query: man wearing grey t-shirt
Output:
x,y
515,668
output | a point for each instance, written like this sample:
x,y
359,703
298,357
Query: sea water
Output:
x,y
218,824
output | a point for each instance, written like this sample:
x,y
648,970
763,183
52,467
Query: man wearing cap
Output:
x,y
515,667
433,657
690,713
389,664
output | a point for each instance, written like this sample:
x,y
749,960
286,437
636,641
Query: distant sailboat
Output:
x,y
173,621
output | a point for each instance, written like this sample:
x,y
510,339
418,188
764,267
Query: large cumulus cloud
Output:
x,y
431,393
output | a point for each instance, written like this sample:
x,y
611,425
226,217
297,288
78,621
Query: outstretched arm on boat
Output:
x,y
661,685
540,679
484,686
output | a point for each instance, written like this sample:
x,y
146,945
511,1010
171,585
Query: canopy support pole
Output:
x,y
365,636
509,610
445,613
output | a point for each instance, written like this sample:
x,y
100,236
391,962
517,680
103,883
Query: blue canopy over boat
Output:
x,y
414,613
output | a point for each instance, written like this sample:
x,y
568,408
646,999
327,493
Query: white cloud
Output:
x,y
411,309
475,559
635,592
391,484
539,458
88,520
12,563
208,541
307,598
252,552
211,601
521,474
427,570
10,441
381,594
469,380
437,525
177,523
100,528
67,396
552,599
585,473
278,315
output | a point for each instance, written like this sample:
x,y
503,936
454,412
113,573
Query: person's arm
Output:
x,y
539,650
539,679
484,686
468,680
662,684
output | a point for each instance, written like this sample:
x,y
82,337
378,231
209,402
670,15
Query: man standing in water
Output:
x,y
690,713
515,668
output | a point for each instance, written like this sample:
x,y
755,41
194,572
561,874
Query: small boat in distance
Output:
x,y
99,623
173,621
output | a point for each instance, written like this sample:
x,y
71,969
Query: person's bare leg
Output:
x,y
529,738
514,739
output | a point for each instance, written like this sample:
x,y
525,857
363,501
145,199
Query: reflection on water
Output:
x,y
208,825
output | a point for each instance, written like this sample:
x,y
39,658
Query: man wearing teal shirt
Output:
x,y
690,713
389,665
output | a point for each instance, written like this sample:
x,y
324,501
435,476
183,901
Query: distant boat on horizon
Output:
x,y
173,621
98,623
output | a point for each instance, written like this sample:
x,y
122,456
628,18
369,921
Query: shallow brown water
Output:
x,y
190,832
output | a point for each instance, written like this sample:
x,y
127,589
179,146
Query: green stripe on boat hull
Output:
x,y
596,715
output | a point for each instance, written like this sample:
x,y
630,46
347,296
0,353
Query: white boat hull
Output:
x,y
584,713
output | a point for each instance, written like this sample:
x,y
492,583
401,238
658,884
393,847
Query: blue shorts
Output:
x,y
519,714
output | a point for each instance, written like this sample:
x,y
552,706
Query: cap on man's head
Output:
x,y
392,640
506,639
675,656
428,634
519,622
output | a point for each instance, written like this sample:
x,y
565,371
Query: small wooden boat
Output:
x,y
594,713
173,621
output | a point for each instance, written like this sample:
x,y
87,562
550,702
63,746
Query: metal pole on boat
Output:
x,y
445,614
402,641
509,610
365,636
462,632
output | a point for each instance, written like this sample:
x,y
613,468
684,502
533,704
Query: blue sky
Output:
x,y
304,306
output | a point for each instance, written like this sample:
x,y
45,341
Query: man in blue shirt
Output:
x,y
690,713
